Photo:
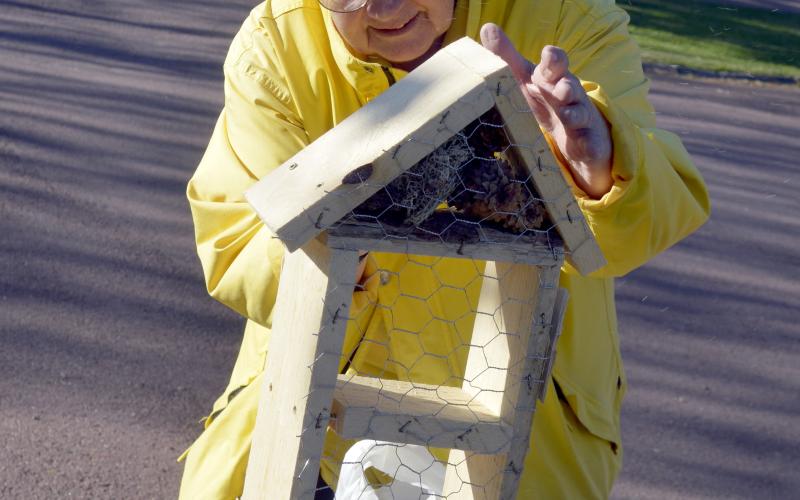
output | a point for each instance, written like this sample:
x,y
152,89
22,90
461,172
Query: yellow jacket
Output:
x,y
289,78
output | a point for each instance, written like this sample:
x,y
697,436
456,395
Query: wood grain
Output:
x,y
406,412
294,408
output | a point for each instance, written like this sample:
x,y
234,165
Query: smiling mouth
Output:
x,y
401,29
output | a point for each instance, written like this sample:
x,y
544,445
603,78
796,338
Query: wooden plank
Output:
x,y
556,323
533,151
406,412
294,408
383,139
460,240
511,345
529,378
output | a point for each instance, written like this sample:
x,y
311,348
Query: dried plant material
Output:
x,y
472,175
426,186
414,196
497,189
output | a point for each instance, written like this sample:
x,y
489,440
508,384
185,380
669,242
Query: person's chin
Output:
x,y
405,57
404,47
411,51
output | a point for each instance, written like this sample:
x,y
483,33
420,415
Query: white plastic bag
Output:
x,y
417,475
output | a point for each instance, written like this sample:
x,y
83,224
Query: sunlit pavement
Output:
x,y
710,329
110,349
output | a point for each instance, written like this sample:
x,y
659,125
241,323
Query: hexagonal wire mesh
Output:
x,y
410,326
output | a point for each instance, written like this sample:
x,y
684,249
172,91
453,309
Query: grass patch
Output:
x,y
712,37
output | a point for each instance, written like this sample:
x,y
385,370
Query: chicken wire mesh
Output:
x,y
424,337
472,176
410,329
471,186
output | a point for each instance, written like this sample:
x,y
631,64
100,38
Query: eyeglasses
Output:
x,y
343,6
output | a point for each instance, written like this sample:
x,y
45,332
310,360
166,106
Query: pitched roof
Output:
x,y
326,181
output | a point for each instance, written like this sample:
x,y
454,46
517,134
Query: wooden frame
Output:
x,y
299,380
487,422
523,357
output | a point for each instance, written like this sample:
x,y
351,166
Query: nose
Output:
x,y
384,10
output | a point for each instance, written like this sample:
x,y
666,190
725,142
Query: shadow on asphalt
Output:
x,y
709,329
110,349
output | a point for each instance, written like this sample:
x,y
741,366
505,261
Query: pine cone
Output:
x,y
497,190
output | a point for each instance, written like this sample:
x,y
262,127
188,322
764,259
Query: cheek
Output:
x,y
353,29
440,13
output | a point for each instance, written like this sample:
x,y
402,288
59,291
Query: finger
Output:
x,y
575,116
567,91
494,39
553,65
554,99
542,110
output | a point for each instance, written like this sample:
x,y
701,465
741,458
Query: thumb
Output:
x,y
493,38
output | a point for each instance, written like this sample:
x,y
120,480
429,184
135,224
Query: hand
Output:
x,y
563,110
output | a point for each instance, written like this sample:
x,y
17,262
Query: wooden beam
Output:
x,y
530,147
506,367
304,351
461,240
406,412
556,323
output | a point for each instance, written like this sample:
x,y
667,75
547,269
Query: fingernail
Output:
x,y
491,31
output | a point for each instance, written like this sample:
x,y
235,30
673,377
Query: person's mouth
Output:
x,y
400,29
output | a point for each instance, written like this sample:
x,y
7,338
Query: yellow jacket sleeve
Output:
x,y
658,196
256,131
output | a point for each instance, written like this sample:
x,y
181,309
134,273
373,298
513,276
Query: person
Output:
x,y
297,68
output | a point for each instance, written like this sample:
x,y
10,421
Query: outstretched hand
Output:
x,y
562,108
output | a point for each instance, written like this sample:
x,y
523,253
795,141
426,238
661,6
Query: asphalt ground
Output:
x,y
110,349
